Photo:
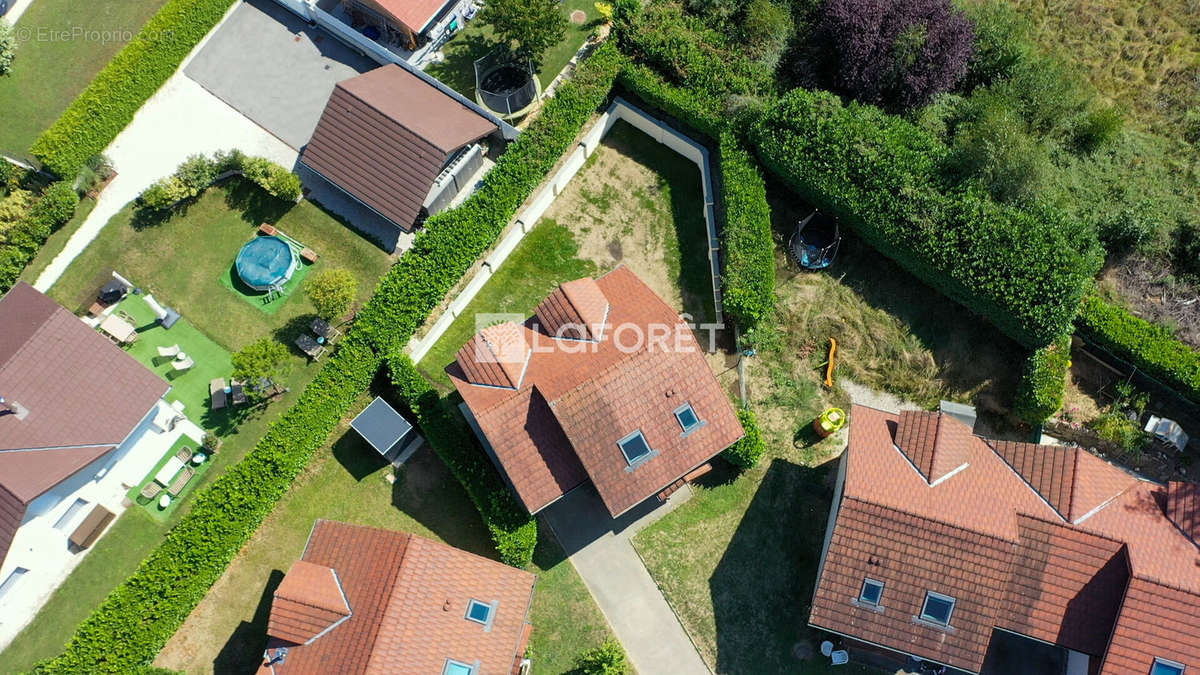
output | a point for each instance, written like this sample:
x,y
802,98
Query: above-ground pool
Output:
x,y
265,262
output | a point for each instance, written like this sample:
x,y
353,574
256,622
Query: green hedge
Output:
x,y
139,616
749,270
746,453
1043,380
513,529
696,110
108,104
22,241
1025,270
1149,346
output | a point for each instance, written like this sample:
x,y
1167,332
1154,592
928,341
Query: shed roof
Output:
x,y
380,425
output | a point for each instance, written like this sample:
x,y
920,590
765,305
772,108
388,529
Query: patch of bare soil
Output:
x,y
1148,289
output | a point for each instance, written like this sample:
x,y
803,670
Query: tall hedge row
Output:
x,y
139,616
108,104
1024,270
21,241
1149,346
1043,381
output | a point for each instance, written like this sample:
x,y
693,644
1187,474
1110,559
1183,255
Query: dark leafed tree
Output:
x,y
527,27
894,53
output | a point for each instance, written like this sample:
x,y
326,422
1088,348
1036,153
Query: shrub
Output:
x,y
196,172
746,453
332,292
165,193
1187,249
994,151
1001,43
22,239
1025,270
1043,380
748,281
15,206
1127,229
275,179
607,659
895,53
766,29
1148,346
6,173
112,98
264,359
1097,128
8,47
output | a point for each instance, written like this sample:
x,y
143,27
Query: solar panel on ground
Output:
x,y
381,426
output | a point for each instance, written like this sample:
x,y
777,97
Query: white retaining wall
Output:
x,y
525,220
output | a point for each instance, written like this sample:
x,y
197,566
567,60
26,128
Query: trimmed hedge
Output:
x,y
698,111
139,616
1025,270
22,241
746,453
512,528
1148,346
748,283
110,101
1043,380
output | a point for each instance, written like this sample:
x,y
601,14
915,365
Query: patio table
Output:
x,y
165,474
118,328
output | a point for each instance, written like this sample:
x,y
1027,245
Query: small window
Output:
x,y
11,580
479,612
457,668
871,592
1165,667
937,608
687,417
72,511
635,448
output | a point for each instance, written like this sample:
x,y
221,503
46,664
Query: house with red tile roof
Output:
x,y
942,544
605,383
77,430
368,600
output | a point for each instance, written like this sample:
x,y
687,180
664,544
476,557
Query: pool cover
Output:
x,y
265,262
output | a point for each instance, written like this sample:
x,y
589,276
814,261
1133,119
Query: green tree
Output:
x,y
263,359
607,659
8,47
331,292
527,27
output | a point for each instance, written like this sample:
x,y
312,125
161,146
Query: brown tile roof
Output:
x,y
596,394
408,598
1183,507
83,396
1121,567
416,14
576,309
307,603
912,555
496,356
384,137
1066,586
937,445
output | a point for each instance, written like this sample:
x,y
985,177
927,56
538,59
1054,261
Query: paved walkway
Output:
x,y
15,9
181,119
602,553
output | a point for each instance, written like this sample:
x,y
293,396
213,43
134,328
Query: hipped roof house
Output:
x,y
605,383
939,538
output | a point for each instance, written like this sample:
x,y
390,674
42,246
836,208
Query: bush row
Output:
x,y
109,102
21,242
1043,380
1025,270
140,615
198,172
514,532
1148,346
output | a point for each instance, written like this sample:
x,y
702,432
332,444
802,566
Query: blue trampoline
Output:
x,y
265,263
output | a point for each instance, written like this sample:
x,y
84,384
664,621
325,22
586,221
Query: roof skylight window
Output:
x,y
1165,667
937,608
689,421
635,448
871,592
480,612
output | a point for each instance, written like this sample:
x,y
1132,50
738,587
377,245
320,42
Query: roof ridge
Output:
x,y
934,520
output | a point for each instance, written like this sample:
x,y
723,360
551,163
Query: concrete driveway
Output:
x,y
600,549
275,69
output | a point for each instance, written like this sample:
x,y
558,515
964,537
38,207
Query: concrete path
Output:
x,y
15,9
873,398
181,119
602,553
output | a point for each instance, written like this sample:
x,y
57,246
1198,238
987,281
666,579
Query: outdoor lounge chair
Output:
x,y
184,364
323,329
216,390
151,490
184,455
181,481
171,351
310,346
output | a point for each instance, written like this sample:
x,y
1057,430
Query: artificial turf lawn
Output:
x,y
259,299
151,505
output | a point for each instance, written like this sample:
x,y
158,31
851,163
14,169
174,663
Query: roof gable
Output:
x,y
1072,481
496,356
575,310
307,604
1183,507
936,444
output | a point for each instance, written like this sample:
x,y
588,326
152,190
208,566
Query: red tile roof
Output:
x,y
1183,507
82,394
1088,552
576,309
579,398
496,356
384,137
307,603
408,597
937,445
416,14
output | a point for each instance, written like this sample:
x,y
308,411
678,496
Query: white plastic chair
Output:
x,y
184,364
840,658
168,351
826,648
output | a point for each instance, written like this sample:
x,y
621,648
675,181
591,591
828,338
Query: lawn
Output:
x,y
62,44
635,203
474,41
211,231
227,630
152,505
57,242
